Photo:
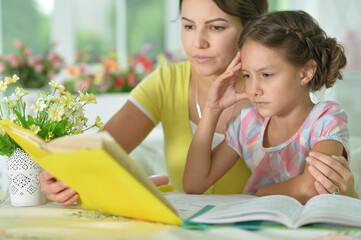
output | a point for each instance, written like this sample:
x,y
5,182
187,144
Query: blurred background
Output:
x,y
108,46
134,36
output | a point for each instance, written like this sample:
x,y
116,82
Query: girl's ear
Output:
x,y
308,71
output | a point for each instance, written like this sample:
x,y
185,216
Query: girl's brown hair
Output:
x,y
245,10
300,39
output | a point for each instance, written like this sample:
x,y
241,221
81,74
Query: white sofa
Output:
x,y
149,155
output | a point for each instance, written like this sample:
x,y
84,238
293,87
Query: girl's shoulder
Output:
x,y
325,112
325,108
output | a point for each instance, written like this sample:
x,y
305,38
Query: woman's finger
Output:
x,y
320,188
159,180
328,165
328,182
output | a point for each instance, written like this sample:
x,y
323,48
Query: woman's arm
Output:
x,y
330,170
302,187
129,126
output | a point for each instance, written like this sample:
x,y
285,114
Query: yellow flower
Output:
x,y
57,86
68,100
56,113
10,80
87,98
35,129
98,123
3,86
49,137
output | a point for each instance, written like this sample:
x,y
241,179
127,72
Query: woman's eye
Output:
x,y
267,75
217,28
189,27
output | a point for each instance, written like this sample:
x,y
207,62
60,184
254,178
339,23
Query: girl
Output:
x,y
285,55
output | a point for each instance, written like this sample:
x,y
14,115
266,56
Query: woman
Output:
x,y
175,95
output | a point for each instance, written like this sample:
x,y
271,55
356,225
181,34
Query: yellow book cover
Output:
x,y
102,173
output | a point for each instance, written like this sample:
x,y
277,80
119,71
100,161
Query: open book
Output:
x,y
324,210
96,167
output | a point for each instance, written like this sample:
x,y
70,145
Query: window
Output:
x,y
94,26
32,28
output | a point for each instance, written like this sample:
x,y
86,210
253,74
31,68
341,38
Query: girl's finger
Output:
x,y
235,61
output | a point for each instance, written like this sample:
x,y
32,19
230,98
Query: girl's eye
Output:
x,y
189,27
246,76
217,28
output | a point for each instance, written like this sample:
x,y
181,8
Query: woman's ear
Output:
x,y
308,71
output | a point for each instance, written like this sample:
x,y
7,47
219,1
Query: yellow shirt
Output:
x,y
163,95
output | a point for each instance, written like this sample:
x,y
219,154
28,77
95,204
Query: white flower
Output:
x,y
20,92
40,106
78,110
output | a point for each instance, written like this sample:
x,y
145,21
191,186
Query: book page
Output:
x,y
333,209
278,208
195,202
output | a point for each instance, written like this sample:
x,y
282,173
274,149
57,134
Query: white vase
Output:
x,y
24,185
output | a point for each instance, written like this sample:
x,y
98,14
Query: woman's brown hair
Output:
x,y
245,10
300,39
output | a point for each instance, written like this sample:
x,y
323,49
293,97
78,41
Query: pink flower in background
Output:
x,y
31,62
82,85
39,67
132,80
27,52
34,71
18,44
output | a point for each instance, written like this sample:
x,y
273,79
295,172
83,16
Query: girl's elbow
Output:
x,y
190,187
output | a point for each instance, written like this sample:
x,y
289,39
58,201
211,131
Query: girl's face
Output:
x,y
210,36
273,84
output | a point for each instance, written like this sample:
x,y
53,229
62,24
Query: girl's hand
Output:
x,y
223,92
332,174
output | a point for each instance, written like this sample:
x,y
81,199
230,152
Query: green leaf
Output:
x,y
21,119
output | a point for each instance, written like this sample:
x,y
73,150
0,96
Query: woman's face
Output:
x,y
210,36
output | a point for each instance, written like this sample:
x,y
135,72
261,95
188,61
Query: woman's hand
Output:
x,y
223,92
57,191
332,174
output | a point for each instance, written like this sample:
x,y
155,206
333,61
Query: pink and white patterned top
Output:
x,y
244,133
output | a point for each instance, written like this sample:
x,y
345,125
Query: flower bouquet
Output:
x,y
35,71
53,115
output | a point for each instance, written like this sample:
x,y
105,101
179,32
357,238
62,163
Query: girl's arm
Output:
x,y
327,170
204,166
302,187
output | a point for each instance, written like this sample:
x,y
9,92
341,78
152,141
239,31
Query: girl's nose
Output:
x,y
256,88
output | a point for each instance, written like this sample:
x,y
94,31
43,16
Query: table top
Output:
x,y
53,221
